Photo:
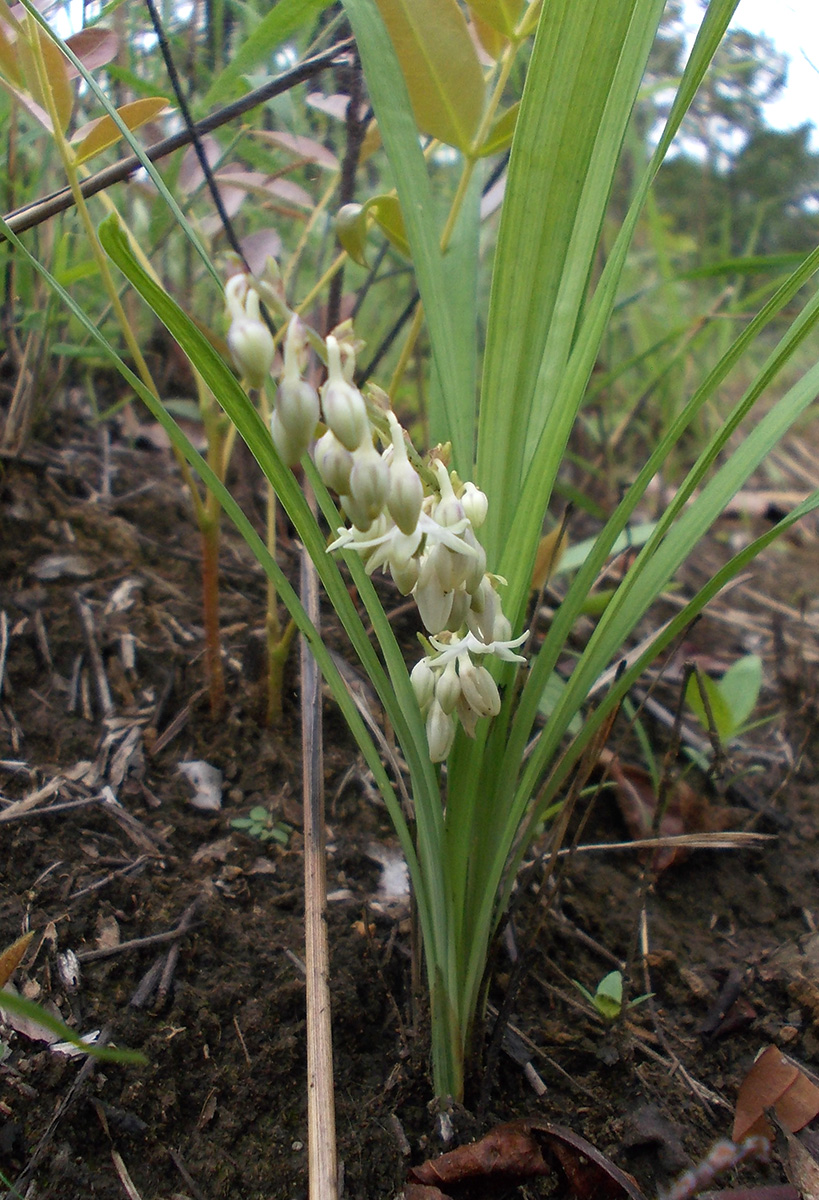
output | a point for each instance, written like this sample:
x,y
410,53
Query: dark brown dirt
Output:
x,y
220,1108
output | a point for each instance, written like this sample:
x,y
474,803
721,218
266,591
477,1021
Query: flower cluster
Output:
x,y
426,539
422,533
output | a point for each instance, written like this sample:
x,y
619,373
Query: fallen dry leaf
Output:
x,y
524,1150
11,957
774,1081
687,810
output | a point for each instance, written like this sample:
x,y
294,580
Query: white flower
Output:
x,y
440,732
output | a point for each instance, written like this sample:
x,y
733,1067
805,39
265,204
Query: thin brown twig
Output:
x,y
38,211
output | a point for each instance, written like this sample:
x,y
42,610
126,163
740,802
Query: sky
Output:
x,y
793,27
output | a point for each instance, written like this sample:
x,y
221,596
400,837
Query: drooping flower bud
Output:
x,y
406,492
479,688
334,463
342,403
297,403
249,340
475,504
448,687
434,602
440,732
369,480
422,679
291,446
448,510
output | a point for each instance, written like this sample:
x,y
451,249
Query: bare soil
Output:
x,y
99,588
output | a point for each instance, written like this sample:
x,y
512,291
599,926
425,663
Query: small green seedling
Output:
x,y
608,999
261,824
732,699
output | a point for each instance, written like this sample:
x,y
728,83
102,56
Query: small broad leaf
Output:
x,y
100,134
501,134
608,999
740,687
722,716
440,66
502,15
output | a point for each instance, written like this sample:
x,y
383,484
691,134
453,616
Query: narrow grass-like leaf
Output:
x,y
453,417
12,1003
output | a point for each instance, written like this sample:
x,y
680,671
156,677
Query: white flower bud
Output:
x,y
291,446
479,689
297,404
249,340
460,607
334,463
440,732
404,573
467,716
475,504
448,510
434,602
483,610
369,480
448,687
475,565
422,679
342,404
406,494
356,513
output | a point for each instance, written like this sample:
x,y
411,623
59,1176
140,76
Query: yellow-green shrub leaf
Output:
x,y
386,212
56,70
501,134
492,42
440,66
502,15
100,134
8,58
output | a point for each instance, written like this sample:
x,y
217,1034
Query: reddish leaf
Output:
x,y
302,147
93,47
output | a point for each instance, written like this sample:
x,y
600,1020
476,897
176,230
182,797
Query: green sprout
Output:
x,y
262,825
608,998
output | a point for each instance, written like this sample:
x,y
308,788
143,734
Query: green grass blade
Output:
x,y
453,417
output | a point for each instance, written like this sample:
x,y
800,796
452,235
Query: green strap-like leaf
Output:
x,y
453,417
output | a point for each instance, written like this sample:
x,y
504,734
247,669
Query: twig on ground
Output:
x,y
321,1132
151,939
98,667
179,1163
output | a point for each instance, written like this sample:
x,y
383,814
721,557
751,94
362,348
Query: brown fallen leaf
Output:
x,y
11,957
524,1150
775,1082
687,810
